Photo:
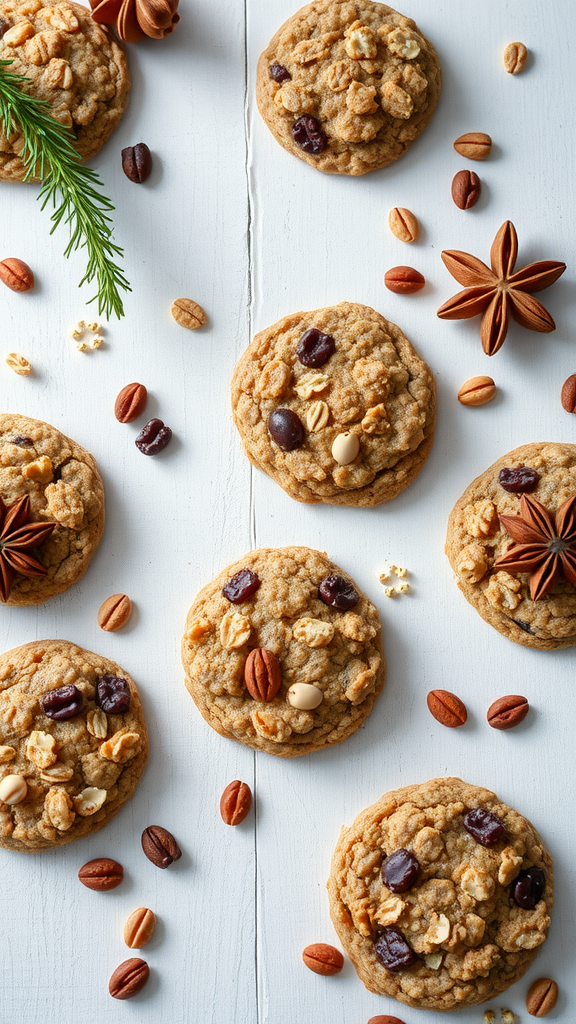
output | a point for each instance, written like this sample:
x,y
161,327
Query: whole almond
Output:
x,y
114,612
101,874
465,189
477,391
447,708
506,712
130,403
16,274
235,802
262,674
188,314
403,224
403,280
542,997
160,846
515,56
568,393
129,978
474,145
322,958
139,927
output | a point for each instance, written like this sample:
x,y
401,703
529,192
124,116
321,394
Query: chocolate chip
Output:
x,y
4,26
23,442
521,480
529,887
279,73
523,625
337,592
160,846
483,826
113,695
393,951
137,162
315,348
286,429
307,133
242,585
62,703
400,871
153,438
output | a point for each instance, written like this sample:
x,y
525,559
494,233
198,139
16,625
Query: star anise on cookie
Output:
x,y
134,19
498,293
545,544
17,536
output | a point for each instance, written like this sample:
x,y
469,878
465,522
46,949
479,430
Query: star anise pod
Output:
x,y
17,536
545,544
499,293
134,19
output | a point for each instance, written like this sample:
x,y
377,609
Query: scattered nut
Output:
x,y
477,391
114,612
345,448
506,712
508,1017
305,696
235,802
18,364
40,470
130,402
101,874
89,801
13,789
128,978
446,708
385,1018
137,162
568,393
160,846
139,928
542,997
474,145
403,224
466,189
403,280
515,56
403,588
188,314
14,273
322,958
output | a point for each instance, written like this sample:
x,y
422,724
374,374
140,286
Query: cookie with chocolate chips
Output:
x,y
441,894
282,652
511,542
73,743
335,405
348,85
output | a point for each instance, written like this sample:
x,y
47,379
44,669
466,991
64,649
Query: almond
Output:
x,y
465,189
322,958
262,674
568,393
130,403
474,145
477,391
139,928
403,280
403,224
16,275
447,708
128,978
114,612
506,712
235,802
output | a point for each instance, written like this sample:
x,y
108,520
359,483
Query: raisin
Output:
x,y
337,592
400,871
393,951
307,133
286,429
62,703
315,348
153,437
23,442
242,585
483,826
279,73
113,695
522,480
528,888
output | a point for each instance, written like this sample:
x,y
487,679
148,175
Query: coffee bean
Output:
x,y
466,189
160,846
323,959
235,802
130,402
392,950
242,585
400,870
137,162
338,592
315,348
286,429
542,997
447,708
307,133
483,826
62,703
113,695
153,438
506,712
129,978
101,874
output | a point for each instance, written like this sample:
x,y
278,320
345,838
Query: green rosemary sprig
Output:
x,y
48,154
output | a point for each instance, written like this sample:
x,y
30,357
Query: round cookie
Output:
x,y
64,487
409,882
347,85
79,769
72,63
330,653
477,541
366,381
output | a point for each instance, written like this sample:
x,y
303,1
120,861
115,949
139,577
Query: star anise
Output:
x,y
499,293
545,544
17,536
134,19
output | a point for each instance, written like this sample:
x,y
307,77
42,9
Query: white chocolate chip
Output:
x,y
402,44
345,448
305,696
433,960
13,789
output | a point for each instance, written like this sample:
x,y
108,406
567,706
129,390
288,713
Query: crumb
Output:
x,y
508,1017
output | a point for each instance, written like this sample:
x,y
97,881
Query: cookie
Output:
x,y
72,63
531,600
72,727
283,653
64,488
347,85
440,894
335,405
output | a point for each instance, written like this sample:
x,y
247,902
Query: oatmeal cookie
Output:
x,y
72,727
440,895
282,652
347,85
335,405
64,487
483,552
72,63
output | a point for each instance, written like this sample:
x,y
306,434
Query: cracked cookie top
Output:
x,y
72,63
73,743
283,652
441,894
349,384
347,85
64,486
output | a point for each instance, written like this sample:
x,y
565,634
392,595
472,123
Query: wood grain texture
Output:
x,y
232,221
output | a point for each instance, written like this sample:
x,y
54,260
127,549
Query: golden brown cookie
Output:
x,y
72,63
526,594
347,85
65,490
73,743
335,405
441,894
283,652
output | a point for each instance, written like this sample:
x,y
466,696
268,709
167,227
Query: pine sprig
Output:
x,y
72,189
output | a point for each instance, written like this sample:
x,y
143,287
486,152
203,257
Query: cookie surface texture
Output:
x,y
476,538
79,771
469,938
72,63
337,653
373,385
363,73
64,487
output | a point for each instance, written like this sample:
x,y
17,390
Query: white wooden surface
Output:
x,y
232,221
